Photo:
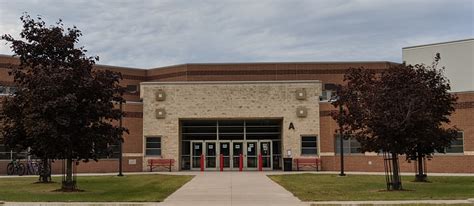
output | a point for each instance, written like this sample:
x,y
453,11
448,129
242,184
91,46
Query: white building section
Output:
x,y
456,56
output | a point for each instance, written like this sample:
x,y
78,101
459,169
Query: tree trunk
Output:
x,y
44,171
421,176
69,184
396,180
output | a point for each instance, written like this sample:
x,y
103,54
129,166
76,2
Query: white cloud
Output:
x,y
149,34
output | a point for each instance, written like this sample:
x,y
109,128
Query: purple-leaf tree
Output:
x,y
63,107
403,110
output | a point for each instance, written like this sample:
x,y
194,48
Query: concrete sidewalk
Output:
x,y
232,188
239,188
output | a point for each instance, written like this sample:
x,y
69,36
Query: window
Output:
x,y
8,154
114,150
309,145
350,146
457,144
111,152
153,146
132,89
328,93
12,90
5,90
4,152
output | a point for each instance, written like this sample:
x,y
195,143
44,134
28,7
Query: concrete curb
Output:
x,y
342,203
393,202
80,203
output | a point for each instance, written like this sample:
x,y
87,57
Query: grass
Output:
x,y
130,188
322,187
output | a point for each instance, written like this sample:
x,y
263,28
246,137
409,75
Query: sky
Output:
x,y
149,34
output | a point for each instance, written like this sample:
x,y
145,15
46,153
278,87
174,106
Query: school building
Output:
x,y
249,116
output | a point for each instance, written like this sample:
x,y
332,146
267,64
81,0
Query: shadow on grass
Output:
x,y
68,191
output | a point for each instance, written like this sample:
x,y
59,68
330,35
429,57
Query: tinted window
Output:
x,y
153,146
309,145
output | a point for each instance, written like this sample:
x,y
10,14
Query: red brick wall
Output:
x,y
462,119
326,72
102,166
360,163
133,142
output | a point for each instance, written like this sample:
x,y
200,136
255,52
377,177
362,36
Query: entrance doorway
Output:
x,y
196,151
210,156
248,153
224,154
231,144
237,154
265,151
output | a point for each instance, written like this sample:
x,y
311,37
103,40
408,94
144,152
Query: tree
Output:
x,y
63,107
402,111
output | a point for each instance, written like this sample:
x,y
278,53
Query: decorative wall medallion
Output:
x,y
160,95
301,112
160,113
301,94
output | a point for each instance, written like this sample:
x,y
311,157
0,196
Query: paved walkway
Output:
x,y
238,188
231,188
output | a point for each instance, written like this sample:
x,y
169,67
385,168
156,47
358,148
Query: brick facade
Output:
x,y
326,72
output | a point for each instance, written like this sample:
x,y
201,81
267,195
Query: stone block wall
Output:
x,y
229,100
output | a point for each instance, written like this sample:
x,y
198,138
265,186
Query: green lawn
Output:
x,y
133,188
323,187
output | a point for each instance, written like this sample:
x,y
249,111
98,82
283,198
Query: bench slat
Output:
x,y
312,162
152,163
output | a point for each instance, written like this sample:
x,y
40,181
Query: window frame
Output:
x,y
115,149
160,148
3,90
316,137
337,141
462,146
10,153
5,152
129,91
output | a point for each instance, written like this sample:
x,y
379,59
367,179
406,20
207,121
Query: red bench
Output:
x,y
167,163
308,162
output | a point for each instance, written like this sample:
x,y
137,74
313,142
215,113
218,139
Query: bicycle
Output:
x,y
32,167
15,167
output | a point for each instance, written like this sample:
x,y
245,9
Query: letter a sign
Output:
x,y
291,126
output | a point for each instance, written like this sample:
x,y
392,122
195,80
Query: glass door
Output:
x,y
224,151
196,152
252,155
237,150
266,152
211,155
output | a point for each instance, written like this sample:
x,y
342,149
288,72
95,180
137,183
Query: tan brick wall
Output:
x,y
241,100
